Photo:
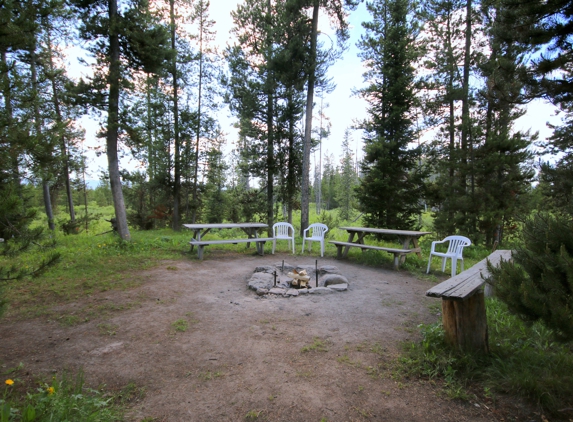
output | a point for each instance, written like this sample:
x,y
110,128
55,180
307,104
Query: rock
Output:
x,y
320,290
292,292
261,291
287,267
338,287
331,279
302,291
277,291
107,349
261,280
328,269
265,269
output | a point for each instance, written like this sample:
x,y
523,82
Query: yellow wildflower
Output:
x,y
51,390
9,382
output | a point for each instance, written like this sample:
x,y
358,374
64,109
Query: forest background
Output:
x,y
444,84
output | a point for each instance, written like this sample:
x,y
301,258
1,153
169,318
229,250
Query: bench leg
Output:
x,y
465,323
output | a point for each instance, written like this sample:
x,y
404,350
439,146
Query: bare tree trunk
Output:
x,y
304,202
59,121
177,158
195,204
112,125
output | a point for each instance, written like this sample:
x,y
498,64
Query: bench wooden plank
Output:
x,y
469,281
362,246
259,241
233,241
397,252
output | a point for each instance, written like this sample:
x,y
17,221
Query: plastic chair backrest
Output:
x,y
281,230
457,244
318,229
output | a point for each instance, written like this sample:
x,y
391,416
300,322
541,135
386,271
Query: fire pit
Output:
x,y
285,280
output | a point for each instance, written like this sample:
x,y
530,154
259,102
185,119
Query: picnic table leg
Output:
x,y
251,233
344,254
200,251
397,259
198,235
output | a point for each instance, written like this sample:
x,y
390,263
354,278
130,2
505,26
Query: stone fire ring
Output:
x,y
329,280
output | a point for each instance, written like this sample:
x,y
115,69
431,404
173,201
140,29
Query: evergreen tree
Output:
x,y
538,284
337,11
391,187
348,180
115,41
502,160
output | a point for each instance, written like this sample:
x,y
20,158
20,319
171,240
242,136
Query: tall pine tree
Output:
x,y
391,188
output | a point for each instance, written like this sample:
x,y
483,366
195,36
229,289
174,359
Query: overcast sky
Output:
x,y
343,107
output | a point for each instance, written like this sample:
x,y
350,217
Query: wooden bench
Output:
x,y
398,253
463,305
259,241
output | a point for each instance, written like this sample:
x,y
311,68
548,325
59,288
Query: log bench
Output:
x,y
463,305
259,241
341,253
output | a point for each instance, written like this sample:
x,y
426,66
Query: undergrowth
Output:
x,y
524,361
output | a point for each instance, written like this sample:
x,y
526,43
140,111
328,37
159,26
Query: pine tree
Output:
x,y
115,41
538,284
502,159
348,180
391,189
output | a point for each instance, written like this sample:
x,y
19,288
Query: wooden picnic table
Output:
x,y
251,229
405,237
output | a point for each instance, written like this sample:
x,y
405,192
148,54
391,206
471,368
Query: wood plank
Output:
x,y
363,246
469,281
229,241
371,230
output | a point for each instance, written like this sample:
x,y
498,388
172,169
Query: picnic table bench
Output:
x,y
341,251
259,241
463,305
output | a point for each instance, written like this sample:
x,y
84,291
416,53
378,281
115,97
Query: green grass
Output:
x,y
317,345
64,398
524,361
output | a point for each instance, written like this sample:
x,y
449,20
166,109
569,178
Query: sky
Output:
x,y
343,108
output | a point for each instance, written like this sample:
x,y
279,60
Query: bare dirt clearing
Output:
x,y
203,347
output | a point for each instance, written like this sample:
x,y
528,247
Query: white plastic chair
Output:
x,y
281,232
317,234
455,250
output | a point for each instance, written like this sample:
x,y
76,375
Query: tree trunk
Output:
x,y
304,202
465,323
48,204
195,205
291,173
59,122
113,123
465,95
177,157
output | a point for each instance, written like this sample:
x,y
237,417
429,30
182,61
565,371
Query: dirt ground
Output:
x,y
241,357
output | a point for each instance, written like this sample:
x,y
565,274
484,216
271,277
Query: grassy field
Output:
x,y
95,261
